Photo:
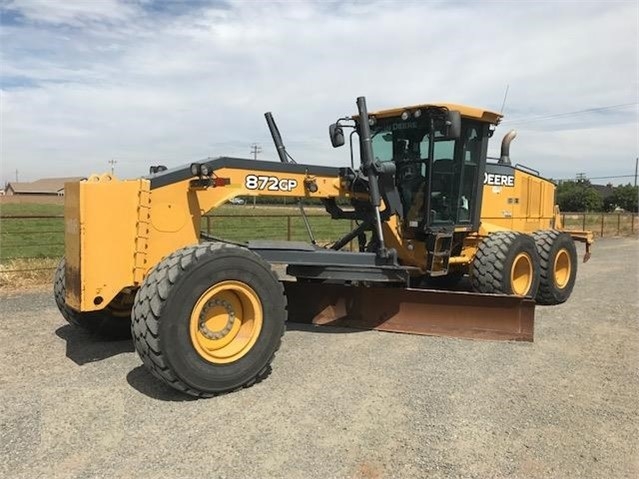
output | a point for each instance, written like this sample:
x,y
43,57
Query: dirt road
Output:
x,y
339,403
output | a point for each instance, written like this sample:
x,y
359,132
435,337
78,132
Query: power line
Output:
x,y
610,177
583,176
571,113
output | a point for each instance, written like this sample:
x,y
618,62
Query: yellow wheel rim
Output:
x,y
226,322
521,274
562,268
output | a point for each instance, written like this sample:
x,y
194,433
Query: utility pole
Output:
x,y
636,164
503,103
255,149
112,162
581,177
17,176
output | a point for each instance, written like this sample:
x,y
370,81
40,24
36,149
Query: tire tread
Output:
x,y
150,301
488,268
100,323
545,241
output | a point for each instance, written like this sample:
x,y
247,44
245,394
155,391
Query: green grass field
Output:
x,y
44,237
29,209
31,237
246,223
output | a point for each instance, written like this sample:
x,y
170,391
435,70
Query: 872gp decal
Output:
x,y
269,183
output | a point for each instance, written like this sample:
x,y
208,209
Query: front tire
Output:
x,y
558,264
113,322
506,262
209,318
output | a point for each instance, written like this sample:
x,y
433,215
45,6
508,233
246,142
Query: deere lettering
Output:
x,y
499,180
404,126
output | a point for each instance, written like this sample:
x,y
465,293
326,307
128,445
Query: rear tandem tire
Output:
x,y
506,262
109,323
208,319
558,265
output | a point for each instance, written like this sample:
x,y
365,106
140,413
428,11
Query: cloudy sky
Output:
x,y
164,82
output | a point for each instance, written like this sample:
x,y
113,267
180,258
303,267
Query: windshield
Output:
x,y
396,140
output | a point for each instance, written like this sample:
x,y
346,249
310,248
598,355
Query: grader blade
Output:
x,y
413,311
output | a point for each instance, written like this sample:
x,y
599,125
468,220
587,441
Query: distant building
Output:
x,y
605,191
42,187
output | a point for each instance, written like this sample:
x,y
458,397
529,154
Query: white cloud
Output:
x,y
104,80
75,13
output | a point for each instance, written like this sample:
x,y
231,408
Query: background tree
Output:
x,y
578,196
626,197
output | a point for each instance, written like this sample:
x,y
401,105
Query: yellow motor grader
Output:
x,y
207,315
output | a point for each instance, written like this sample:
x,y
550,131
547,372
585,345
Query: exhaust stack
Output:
x,y
504,158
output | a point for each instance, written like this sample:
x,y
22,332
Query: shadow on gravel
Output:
x,y
143,381
83,348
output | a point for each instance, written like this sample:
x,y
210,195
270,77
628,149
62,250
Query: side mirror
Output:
x,y
337,135
453,122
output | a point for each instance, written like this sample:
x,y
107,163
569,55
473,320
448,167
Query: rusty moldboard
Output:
x,y
415,311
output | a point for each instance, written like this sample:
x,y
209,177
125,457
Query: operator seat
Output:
x,y
441,189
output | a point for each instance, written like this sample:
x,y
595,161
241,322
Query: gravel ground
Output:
x,y
340,403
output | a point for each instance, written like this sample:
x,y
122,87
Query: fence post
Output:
x,y
563,220
602,225
583,227
618,224
288,227
632,224
208,224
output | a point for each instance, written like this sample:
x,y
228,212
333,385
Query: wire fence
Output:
x,y
603,224
26,239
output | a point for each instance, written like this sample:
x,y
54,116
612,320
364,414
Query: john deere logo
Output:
x,y
499,180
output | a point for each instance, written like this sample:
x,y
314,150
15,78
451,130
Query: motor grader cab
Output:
x,y
436,157
207,315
